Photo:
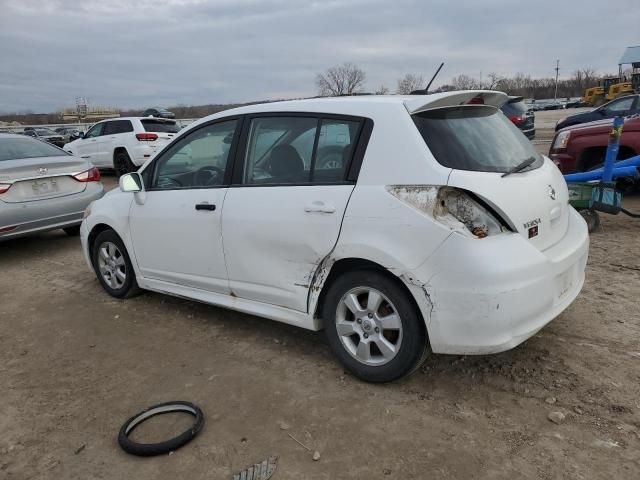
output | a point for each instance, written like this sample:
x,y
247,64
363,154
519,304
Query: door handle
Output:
x,y
205,206
85,156
319,206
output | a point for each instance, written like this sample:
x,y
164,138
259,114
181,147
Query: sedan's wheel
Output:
x,y
373,326
72,231
113,266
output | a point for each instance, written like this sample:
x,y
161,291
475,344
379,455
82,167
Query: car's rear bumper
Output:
x,y
530,133
489,295
24,218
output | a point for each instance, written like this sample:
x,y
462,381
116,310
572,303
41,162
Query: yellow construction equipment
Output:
x,y
590,95
619,90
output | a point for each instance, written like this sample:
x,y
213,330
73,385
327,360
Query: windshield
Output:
x,y
15,148
474,137
160,126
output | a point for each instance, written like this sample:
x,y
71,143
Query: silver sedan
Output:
x,y
42,187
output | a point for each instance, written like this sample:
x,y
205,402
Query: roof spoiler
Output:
x,y
451,99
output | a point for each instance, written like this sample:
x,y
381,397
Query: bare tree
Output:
x,y
345,79
494,81
382,90
409,83
464,82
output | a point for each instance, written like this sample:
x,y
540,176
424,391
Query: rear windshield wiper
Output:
x,y
521,166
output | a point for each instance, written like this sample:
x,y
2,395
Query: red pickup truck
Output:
x,y
582,147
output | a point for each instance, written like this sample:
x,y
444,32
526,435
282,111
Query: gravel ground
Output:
x,y
75,363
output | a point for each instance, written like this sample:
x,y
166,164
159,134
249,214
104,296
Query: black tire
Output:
x,y
592,218
129,286
72,231
413,346
122,163
151,449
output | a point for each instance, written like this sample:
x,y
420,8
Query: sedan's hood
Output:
x,y
11,170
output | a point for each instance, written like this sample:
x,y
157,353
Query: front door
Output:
x,y
86,147
176,232
283,214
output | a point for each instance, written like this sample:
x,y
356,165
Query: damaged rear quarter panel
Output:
x,y
398,239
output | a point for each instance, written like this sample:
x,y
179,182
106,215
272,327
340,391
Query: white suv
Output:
x,y
123,143
394,223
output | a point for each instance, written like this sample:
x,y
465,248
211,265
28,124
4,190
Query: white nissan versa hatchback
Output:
x,y
396,223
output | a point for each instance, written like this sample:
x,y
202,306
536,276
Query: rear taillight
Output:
x,y
515,119
455,208
91,175
146,137
4,187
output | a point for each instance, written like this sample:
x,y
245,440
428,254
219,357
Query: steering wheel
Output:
x,y
330,157
208,175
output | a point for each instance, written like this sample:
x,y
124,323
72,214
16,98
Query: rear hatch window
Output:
x,y
152,125
475,137
14,148
517,109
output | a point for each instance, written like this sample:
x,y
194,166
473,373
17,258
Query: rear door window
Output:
x,y
118,126
299,150
474,137
159,126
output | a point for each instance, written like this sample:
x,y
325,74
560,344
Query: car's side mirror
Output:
x,y
131,182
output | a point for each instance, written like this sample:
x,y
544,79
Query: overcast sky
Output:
x,y
140,53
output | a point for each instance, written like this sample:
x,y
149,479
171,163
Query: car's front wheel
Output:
x,y
112,265
373,326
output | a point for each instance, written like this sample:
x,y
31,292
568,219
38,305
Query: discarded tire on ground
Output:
x,y
151,449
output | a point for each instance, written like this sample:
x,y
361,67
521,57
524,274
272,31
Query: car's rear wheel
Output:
x,y
373,326
122,163
112,265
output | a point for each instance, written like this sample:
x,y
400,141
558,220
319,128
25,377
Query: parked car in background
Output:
x,y
69,133
582,147
622,106
158,112
42,187
45,134
553,105
392,222
520,115
124,143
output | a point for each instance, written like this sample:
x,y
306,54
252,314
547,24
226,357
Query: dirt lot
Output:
x,y
75,363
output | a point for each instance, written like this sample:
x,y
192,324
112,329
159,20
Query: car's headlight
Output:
x,y
561,140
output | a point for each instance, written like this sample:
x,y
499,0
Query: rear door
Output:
x,y
283,213
116,134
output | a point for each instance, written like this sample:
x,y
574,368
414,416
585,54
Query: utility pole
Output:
x,y
555,95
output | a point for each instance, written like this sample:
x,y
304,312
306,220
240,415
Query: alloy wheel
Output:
x,y
112,265
369,326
